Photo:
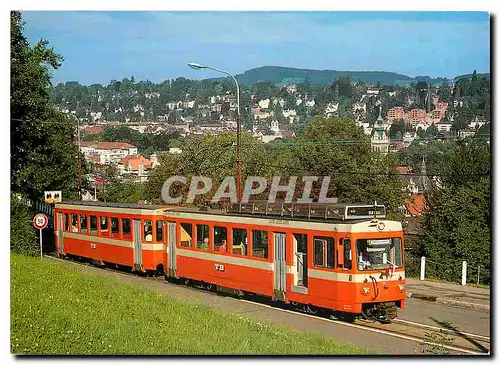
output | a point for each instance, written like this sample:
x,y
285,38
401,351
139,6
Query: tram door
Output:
x,y
60,226
137,245
279,265
172,250
300,247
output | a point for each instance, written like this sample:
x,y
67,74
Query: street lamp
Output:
x,y
197,66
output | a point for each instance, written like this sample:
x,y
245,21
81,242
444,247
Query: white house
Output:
x,y
444,126
264,104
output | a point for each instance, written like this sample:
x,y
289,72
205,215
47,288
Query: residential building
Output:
x,y
444,126
395,113
264,104
108,152
466,133
133,163
291,89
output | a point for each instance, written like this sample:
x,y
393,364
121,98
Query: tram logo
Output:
x,y
254,185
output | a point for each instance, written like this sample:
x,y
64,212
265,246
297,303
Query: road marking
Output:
x,y
410,338
439,328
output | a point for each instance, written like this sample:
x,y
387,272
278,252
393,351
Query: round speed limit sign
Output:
x,y
40,221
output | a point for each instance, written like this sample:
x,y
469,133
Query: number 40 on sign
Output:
x,y
40,222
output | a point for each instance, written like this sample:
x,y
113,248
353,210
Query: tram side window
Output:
x,y
83,223
66,222
104,226
347,254
318,252
148,231
202,239
115,227
93,224
395,252
260,247
324,252
159,231
186,234
240,241
220,239
126,229
74,223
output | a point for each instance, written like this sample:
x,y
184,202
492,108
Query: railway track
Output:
x,y
453,340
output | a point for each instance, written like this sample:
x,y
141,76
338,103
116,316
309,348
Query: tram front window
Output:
x,y
373,254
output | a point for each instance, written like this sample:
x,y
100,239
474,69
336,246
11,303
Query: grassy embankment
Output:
x,y
57,309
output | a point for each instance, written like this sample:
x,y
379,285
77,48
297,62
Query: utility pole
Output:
x,y
197,66
238,156
79,161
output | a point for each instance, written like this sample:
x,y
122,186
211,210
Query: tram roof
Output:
x,y
112,205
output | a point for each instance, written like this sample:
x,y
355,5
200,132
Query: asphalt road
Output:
x,y
431,313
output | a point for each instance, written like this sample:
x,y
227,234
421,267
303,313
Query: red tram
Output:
x,y
345,258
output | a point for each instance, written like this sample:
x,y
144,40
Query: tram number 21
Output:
x,y
219,267
93,245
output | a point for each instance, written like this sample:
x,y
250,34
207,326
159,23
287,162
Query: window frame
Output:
x,y
111,233
96,225
143,229
242,244
86,224
215,248
201,224
162,231
325,243
131,226
251,244
107,232
179,235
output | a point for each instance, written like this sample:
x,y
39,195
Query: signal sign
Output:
x,y
40,221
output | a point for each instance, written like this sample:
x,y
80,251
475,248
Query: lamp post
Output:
x,y
79,161
197,66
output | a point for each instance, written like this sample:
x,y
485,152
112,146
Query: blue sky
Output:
x,y
100,46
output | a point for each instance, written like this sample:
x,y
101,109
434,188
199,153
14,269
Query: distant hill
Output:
x,y
468,76
285,75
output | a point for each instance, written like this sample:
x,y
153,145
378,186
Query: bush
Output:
x,y
23,239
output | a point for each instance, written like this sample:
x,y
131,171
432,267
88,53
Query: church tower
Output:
x,y
379,138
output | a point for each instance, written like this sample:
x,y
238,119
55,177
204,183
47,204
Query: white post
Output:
x,y
422,268
478,268
464,272
41,249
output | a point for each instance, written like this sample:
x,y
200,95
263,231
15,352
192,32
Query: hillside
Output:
x,y
284,75
468,76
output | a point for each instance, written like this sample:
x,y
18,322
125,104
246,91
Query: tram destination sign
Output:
x,y
365,211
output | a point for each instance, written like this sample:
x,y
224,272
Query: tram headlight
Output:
x,y
401,288
381,226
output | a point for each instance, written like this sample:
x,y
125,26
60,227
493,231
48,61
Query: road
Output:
x,y
376,339
466,320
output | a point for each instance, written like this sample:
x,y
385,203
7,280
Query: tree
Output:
x,y
43,155
457,216
341,150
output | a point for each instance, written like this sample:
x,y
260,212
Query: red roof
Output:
x,y
134,162
93,129
85,143
112,145
416,207
402,169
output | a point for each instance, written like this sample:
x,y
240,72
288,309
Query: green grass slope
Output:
x,y
57,309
